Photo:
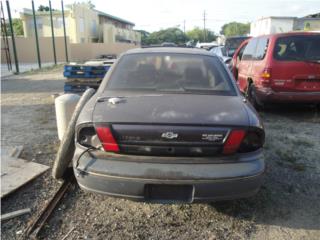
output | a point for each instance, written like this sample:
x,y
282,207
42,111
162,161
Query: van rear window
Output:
x,y
297,48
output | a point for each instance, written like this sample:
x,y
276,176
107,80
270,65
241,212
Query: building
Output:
x,y
83,25
269,25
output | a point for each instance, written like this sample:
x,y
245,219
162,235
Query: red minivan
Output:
x,y
279,68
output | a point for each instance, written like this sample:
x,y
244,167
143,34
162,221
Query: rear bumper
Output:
x,y
207,181
267,95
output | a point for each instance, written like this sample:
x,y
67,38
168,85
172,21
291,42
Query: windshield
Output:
x,y
297,48
234,43
231,52
169,72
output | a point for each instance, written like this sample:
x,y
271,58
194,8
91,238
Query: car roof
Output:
x,y
181,50
297,33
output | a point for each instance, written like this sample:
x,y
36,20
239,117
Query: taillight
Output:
x,y
107,140
233,141
244,141
87,136
266,77
253,140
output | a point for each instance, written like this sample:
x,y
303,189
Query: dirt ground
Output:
x,y
287,207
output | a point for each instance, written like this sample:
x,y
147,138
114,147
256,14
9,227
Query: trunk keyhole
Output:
x,y
170,150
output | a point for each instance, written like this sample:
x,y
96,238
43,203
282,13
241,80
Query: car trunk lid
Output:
x,y
122,107
170,124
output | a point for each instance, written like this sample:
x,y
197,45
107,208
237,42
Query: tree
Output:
x,y
144,36
199,35
43,8
174,35
91,5
17,27
235,29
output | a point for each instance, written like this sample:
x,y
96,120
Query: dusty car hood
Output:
x,y
171,109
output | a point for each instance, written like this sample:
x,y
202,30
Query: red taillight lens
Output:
x,y
233,142
108,142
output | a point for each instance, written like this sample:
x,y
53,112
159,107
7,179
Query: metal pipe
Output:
x,y
52,32
36,34
64,32
12,38
5,39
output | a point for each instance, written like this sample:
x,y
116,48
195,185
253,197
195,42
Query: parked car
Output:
x,y
206,45
168,44
107,56
232,43
169,125
222,53
281,68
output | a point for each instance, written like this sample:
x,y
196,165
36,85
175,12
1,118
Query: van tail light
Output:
x,y
108,142
266,77
233,141
244,141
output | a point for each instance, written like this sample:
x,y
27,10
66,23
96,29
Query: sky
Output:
x,y
155,15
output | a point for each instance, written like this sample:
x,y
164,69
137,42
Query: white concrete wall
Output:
x,y
271,25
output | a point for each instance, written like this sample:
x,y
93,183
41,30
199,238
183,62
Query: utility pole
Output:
x,y
36,34
184,26
52,34
64,32
12,38
204,27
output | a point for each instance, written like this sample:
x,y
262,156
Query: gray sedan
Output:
x,y
169,125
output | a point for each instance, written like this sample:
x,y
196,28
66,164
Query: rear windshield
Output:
x,y
167,72
297,48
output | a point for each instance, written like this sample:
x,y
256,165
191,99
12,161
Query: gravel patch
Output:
x,y
287,207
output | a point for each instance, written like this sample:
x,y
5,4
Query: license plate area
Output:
x,y
168,193
308,84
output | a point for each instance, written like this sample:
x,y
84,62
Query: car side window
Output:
x,y
241,51
250,50
261,48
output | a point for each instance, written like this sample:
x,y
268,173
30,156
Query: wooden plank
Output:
x,y
14,214
16,172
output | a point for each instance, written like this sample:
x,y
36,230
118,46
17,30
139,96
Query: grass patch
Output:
x,y
303,142
44,69
299,167
287,156
289,160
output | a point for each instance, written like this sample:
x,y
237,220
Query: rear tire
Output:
x,y
252,97
67,146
